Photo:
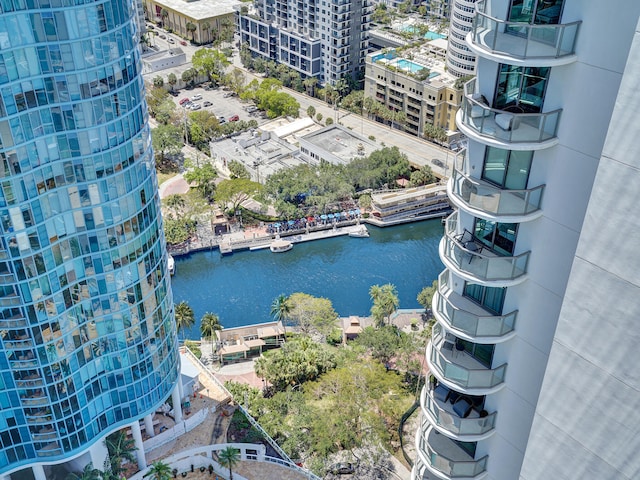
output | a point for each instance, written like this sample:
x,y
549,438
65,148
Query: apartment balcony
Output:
x,y
457,419
519,43
442,457
468,320
509,129
472,260
458,370
482,199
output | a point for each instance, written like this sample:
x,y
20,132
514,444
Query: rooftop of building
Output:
x,y
341,142
201,9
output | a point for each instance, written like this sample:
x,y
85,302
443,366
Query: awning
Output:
x,y
269,332
258,342
229,349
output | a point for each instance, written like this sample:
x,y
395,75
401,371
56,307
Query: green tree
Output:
x,y
172,80
237,170
297,361
311,111
312,314
158,100
120,449
166,139
281,309
209,324
178,230
158,82
437,134
365,202
206,27
184,317
203,177
207,124
425,296
189,76
385,302
88,473
309,84
176,203
235,191
164,14
159,471
229,458
383,342
191,28
424,176
328,121
211,63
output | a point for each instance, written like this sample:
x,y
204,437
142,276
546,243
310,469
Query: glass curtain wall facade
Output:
x,y
88,339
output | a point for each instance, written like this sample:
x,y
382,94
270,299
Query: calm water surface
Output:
x,y
240,288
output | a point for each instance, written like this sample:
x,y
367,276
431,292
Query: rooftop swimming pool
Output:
x,y
413,67
428,36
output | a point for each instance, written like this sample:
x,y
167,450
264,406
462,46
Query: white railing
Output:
x,y
175,431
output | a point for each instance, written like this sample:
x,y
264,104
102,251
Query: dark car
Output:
x,y
342,469
173,93
207,103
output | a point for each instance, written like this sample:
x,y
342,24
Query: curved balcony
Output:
x,y
510,130
460,370
463,254
468,320
443,416
443,458
520,43
485,200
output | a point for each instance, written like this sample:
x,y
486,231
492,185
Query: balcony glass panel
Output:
x,y
445,456
491,199
460,368
512,127
471,319
522,40
469,256
443,414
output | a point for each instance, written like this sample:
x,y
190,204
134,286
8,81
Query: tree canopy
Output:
x,y
203,176
385,302
211,63
234,191
313,315
166,139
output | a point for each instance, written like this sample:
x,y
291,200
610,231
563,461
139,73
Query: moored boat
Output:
x,y
279,245
360,232
172,265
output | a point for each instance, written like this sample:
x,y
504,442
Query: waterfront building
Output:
x,y
461,61
210,19
326,40
503,308
416,84
88,338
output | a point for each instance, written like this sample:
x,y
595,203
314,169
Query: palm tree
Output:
x,y
280,310
209,324
192,27
229,458
385,302
89,473
176,203
184,317
310,85
206,27
164,13
120,448
159,471
172,80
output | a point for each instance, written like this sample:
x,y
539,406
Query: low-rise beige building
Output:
x,y
211,18
416,84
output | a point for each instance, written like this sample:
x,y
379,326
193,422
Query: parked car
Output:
x,y
234,118
163,36
171,40
183,43
184,100
207,103
196,106
222,120
196,97
342,469
229,94
173,93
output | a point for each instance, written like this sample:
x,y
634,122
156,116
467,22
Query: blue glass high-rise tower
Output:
x,y
88,338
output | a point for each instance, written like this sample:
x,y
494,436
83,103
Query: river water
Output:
x,y
241,287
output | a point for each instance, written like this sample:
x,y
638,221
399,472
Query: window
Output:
x,y
521,89
499,237
508,169
536,12
490,298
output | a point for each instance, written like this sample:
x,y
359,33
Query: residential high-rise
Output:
x,y
536,118
323,39
88,338
461,61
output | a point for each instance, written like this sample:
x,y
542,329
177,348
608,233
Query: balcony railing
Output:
x,y
522,40
505,126
454,372
442,415
488,198
467,257
470,323
442,455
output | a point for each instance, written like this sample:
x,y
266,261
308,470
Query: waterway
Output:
x,y
240,288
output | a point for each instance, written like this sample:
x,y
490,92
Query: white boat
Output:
x,y
279,245
172,265
360,232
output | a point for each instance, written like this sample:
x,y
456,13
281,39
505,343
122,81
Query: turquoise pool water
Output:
x,y
413,67
429,35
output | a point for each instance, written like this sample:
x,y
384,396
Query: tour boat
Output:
x,y
360,232
279,245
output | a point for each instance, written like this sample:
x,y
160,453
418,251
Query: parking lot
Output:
x,y
222,104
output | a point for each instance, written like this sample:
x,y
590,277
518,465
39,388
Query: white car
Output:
x,y
196,106
196,97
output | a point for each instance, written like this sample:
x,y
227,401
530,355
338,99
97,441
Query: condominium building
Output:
x,y
438,8
461,61
536,118
326,39
87,335
427,95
